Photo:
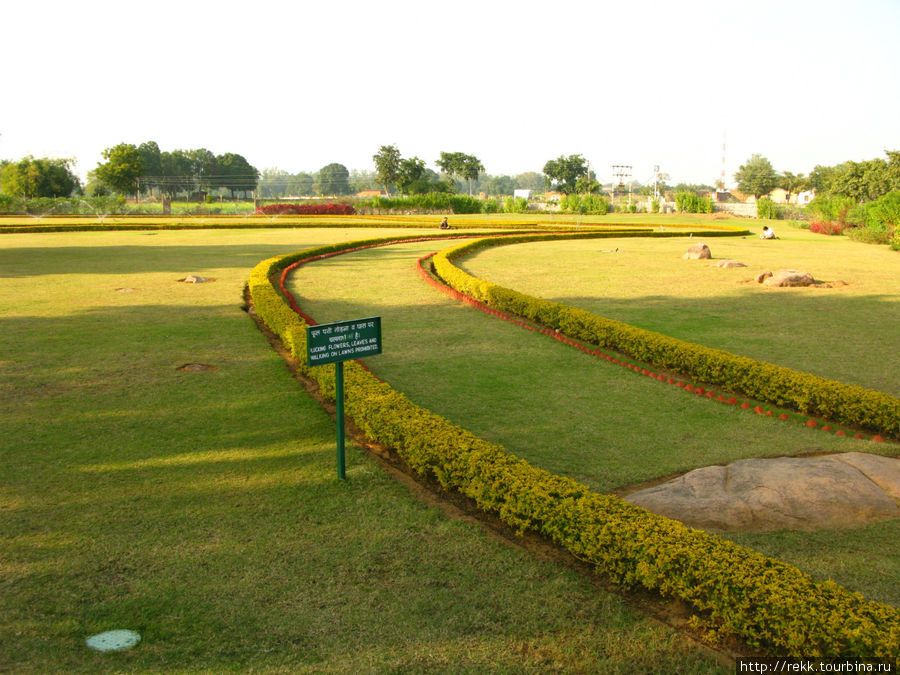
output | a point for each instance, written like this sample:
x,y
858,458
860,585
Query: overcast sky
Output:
x,y
298,85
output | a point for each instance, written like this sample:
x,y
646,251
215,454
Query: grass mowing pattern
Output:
x,y
201,509
759,599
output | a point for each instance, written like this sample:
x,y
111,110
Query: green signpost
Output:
x,y
336,343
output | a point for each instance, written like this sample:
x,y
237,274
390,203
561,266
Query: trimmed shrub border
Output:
x,y
638,369
809,394
770,604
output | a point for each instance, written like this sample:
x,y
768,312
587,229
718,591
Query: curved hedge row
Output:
x,y
770,604
807,393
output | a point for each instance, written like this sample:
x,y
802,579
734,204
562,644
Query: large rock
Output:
x,y
781,493
790,278
698,252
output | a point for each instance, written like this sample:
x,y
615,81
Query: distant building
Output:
x,y
525,194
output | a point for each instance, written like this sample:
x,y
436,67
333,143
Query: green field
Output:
x,y
578,416
201,508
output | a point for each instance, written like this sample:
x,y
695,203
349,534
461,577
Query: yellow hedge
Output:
x,y
807,393
769,603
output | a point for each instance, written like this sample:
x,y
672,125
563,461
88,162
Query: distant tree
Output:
x,y
696,188
235,173
530,180
387,166
363,180
177,173
756,177
497,185
333,179
793,183
461,165
204,168
587,184
152,158
44,177
122,169
410,172
563,173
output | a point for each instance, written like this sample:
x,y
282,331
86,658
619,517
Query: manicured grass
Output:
x,y
558,408
202,510
848,333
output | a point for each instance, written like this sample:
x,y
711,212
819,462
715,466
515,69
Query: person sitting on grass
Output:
x,y
444,224
767,233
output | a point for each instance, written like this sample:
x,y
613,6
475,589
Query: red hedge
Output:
x,y
291,209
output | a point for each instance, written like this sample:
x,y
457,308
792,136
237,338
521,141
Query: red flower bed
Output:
x,y
292,209
826,228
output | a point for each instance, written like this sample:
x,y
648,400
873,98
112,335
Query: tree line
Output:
x,y
858,181
144,169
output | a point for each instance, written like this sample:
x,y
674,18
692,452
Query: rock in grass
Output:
x,y
698,252
790,278
801,493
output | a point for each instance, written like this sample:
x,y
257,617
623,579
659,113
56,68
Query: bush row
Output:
x,y
690,202
293,209
437,201
810,394
769,603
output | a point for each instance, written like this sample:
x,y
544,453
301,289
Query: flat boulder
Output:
x,y
797,493
728,264
698,252
783,278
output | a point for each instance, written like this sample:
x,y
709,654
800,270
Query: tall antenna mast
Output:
x,y
722,181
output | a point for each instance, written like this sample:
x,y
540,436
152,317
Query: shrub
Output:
x,y
515,205
766,208
294,209
769,603
814,395
689,202
831,209
819,227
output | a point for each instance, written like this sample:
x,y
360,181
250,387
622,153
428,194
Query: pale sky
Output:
x,y
298,85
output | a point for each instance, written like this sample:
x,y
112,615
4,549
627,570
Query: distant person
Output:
x,y
444,224
767,233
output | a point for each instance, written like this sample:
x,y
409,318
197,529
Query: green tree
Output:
x,y
793,183
387,166
333,179
460,165
410,172
177,173
756,177
530,180
563,173
44,177
203,167
235,173
152,158
122,169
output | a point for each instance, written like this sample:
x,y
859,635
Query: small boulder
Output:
x,y
762,276
784,278
698,252
728,264
798,493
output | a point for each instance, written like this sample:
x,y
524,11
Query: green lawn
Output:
x,y
582,417
848,333
201,508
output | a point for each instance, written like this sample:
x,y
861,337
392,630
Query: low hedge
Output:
x,y
770,604
807,393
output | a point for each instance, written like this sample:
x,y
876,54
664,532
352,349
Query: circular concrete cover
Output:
x,y
113,640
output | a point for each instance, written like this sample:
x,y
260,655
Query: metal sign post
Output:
x,y
336,343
